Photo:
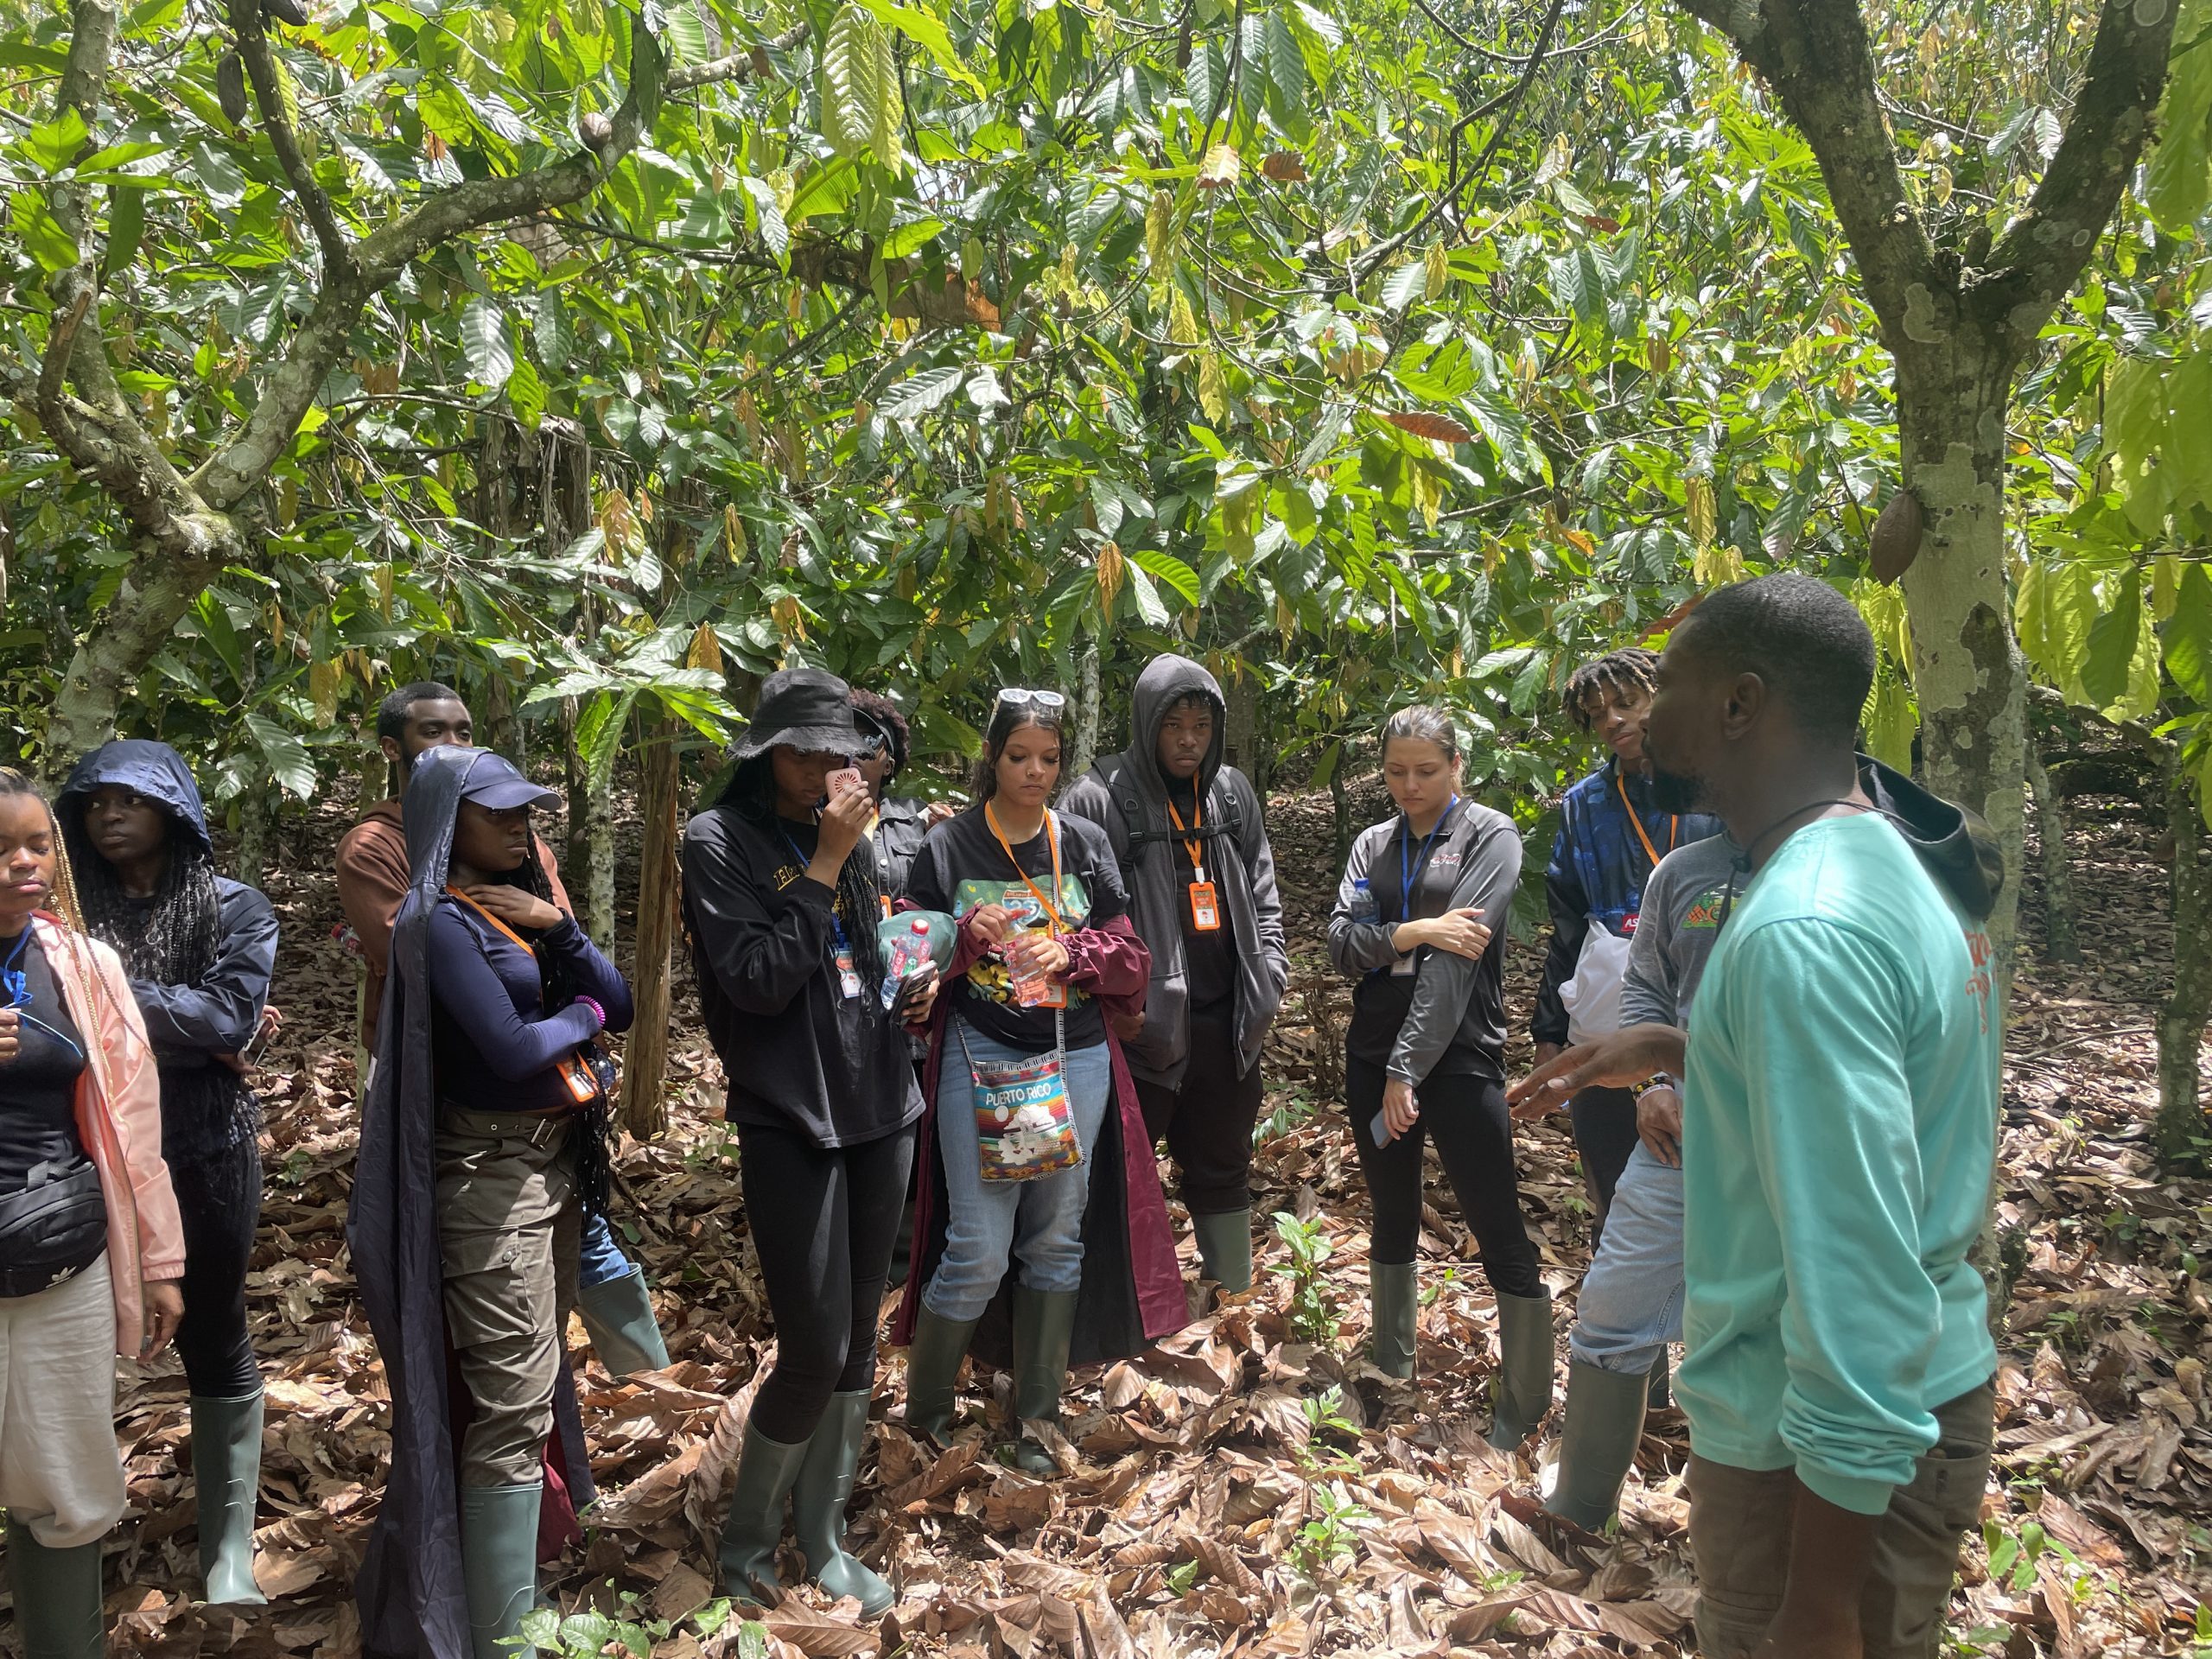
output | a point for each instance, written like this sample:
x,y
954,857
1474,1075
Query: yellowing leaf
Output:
x,y
1221,166
1182,325
1698,498
1159,232
1717,565
1424,424
1285,166
1113,570
1213,387
705,650
322,691
1435,272
735,541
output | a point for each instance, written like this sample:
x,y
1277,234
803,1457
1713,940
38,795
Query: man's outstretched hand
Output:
x,y
1629,1056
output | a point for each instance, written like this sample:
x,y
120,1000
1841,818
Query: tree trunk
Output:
x,y
502,726
2180,1128
644,1059
1340,802
114,650
1967,673
1085,748
2061,912
592,884
1241,745
252,863
376,778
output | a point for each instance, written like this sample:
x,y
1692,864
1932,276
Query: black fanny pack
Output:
x,y
55,1227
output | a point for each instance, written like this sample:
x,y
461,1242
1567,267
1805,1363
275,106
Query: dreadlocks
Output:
x,y
174,939
1630,668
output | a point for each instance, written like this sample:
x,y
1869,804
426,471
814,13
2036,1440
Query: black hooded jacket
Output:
x,y
409,1586
1126,795
1954,845
206,1107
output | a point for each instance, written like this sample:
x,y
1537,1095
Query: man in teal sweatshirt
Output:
x,y
1838,1131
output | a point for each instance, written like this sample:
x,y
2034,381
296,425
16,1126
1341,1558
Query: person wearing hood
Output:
x,y
91,1248
782,901
1839,1109
1611,835
613,1299
1419,920
1040,1230
200,949
1193,846
483,1144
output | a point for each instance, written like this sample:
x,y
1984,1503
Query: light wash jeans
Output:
x,y
1631,1302
1040,1222
601,1260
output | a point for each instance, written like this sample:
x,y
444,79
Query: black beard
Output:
x,y
1674,791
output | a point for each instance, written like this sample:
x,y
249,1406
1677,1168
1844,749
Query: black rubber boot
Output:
x,y
932,1366
225,1476
1225,1248
1661,1394
1604,1425
766,1470
1044,1324
1522,1393
57,1598
1394,1309
818,1500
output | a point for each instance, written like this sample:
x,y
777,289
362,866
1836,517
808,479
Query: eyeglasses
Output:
x,y
1018,697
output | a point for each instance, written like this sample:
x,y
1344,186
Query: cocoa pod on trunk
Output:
x,y
287,11
1896,542
230,88
595,130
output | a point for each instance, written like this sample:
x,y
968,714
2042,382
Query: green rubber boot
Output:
x,y
225,1475
57,1598
1044,1324
1225,1248
1394,1309
618,1317
824,1485
1522,1393
766,1470
933,1366
1604,1425
498,1563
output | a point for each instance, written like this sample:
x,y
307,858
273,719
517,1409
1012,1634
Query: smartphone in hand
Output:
x,y
844,781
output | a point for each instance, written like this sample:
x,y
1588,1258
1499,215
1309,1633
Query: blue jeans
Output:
x,y
1631,1302
1040,1222
601,1260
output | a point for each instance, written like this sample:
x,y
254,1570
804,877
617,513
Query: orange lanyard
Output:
x,y
1198,822
1674,823
489,917
1054,835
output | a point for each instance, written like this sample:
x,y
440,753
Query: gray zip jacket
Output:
x,y
1125,795
1675,931
1455,1015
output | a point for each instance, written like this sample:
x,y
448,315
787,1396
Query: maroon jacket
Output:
x,y
1132,1291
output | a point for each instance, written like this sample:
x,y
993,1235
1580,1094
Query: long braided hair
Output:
x,y
751,793
174,939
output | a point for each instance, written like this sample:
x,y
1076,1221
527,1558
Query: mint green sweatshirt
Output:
x,y
1839,1110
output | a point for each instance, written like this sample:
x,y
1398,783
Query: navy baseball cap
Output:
x,y
494,782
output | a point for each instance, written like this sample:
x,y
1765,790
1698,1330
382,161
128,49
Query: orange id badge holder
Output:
x,y
1206,906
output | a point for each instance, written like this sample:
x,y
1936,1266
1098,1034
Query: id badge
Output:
x,y
848,976
1205,908
1406,967
1040,994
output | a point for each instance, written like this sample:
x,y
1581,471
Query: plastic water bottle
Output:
x,y
908,952
1365,906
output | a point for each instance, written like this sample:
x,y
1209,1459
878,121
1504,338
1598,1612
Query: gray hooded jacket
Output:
x,y
1127,796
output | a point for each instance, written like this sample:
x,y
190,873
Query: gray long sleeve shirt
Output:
x,y
1681,918
1427,1011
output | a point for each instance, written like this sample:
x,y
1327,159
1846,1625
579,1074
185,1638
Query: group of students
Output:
x,y
965,1031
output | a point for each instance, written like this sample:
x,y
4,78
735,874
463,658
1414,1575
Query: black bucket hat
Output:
x,y
805,709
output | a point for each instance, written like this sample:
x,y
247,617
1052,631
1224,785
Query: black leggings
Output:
x,y
218,1198
1207,1118
1473,1132
1605,1135
822,1218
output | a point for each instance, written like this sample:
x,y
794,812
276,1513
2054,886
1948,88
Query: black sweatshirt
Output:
x,y
1431,1012
798,1053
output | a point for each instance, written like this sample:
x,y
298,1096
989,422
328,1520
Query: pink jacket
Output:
x,y
119,1120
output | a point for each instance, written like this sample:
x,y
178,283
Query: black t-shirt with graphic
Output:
x,y
961,866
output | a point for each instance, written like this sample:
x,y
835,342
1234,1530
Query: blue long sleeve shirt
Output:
x,y
495,1045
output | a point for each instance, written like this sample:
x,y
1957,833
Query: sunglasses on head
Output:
x,y
1020,697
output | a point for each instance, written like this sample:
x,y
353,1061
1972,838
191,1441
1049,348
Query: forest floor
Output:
x,y
1243,1491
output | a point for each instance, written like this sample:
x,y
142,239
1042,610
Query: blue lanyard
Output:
x,y
16,983
1408,871
844,949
